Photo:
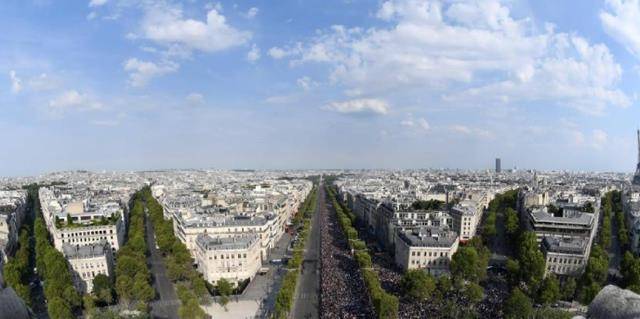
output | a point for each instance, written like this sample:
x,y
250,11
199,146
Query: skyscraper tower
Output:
x,y
499,165
636,177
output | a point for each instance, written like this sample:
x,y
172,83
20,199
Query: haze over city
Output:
x,y
134,85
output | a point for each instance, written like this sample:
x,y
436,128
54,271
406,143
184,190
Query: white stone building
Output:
x,y
466,217
87,261
429,248
233,258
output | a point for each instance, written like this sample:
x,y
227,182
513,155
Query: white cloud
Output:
x,y
621,20
306,83
166,25
359,106
277,53
466,52
73,99
254,54
252,13
16,82
92,15
420,123
97,3
195,99
140,72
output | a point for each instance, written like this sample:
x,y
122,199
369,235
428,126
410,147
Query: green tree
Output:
x,y
474,292
550,290
518,305
569,289
444,284
512,222
58,308
124,287
142,291
513,272
225,289
417,284
595,274
103,288
489,229
465,264
531,260
427,204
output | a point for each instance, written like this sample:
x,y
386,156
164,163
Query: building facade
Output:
x,y
232,258
428,248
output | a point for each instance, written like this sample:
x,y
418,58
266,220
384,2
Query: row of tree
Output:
x,y
385,304
503,205
62,298
132,273
301,222
18,270
191,287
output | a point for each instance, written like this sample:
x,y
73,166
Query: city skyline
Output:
x,y
137,85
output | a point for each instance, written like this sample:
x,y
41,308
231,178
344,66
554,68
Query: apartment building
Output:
x,y
565,256
233,258
466,217
429,248
88,261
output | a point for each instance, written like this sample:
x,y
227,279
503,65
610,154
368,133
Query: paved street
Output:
x,y
166,306
264,288
615,251
307,303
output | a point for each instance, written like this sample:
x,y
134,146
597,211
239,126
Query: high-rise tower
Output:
x,y
636,177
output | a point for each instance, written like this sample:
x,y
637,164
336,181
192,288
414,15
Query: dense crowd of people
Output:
x,y
343,292
390,276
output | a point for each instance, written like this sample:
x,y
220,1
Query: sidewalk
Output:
x,y
242,309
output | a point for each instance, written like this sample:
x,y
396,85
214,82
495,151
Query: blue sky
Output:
x,y
134,84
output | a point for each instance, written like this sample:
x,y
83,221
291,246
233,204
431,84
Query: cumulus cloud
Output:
x,y
140,72
360,106
277,53
621,20
254,54
16,82
166,25
73,99
466,52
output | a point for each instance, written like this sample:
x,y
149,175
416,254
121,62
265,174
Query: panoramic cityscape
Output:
x,y
320,159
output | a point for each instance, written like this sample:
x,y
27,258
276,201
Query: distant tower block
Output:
x,y
636,176
498,165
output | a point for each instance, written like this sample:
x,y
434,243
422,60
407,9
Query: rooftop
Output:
x,y
231,243
86,251
429,237
565,245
